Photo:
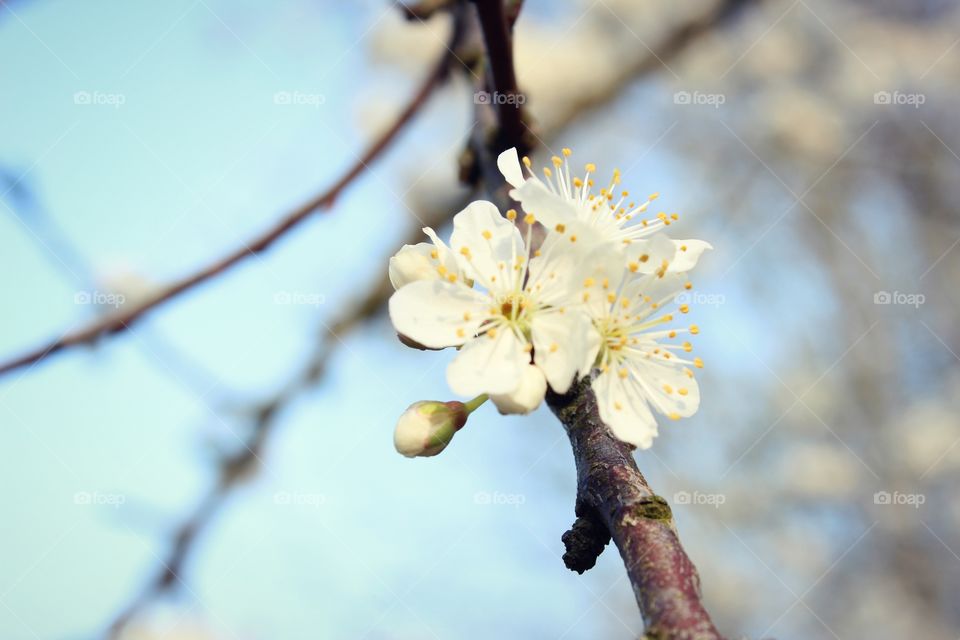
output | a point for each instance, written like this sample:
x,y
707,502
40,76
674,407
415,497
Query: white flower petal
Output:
x,y
509,164
447,258
559,342
547,207
526,397
437,313
488,365
412,263
671,391
687,254
491,244
651,255
622,408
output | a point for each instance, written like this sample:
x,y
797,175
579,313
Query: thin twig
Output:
x,y
124,318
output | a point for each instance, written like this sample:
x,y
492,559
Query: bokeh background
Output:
x,y
814,143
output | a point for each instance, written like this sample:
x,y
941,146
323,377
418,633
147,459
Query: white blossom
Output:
x,y
592,301
637,369
567,204
519,309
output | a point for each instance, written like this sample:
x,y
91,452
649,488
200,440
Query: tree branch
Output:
x,y
613,498
124,318
613,493
503,80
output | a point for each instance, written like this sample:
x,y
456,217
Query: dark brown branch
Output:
x,y
611,489
496,27
124,318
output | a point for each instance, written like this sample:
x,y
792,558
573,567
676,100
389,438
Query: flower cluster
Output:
x,y
596,298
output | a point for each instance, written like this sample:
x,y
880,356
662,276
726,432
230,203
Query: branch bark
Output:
x,y
614,500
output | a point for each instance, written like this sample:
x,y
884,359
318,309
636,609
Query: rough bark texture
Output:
x,y
614,500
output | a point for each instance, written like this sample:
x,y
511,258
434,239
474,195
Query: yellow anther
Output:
x,y
466,316
674,216
694,329
465,252
526,162
654,196
644,258
511,214
547,172
590,167
611,297
674,416
486,234
529,218
566,152
461,333
554,347
434,254
634,267
556,161
589,282
492,333
573,238
618,406
452,277
560,228
688,286
682,391
684,308
672,334
577,182
698,363
668,388
687,347
683,247
623,373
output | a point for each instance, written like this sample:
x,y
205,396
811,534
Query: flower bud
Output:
x,y
526,397
427,427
